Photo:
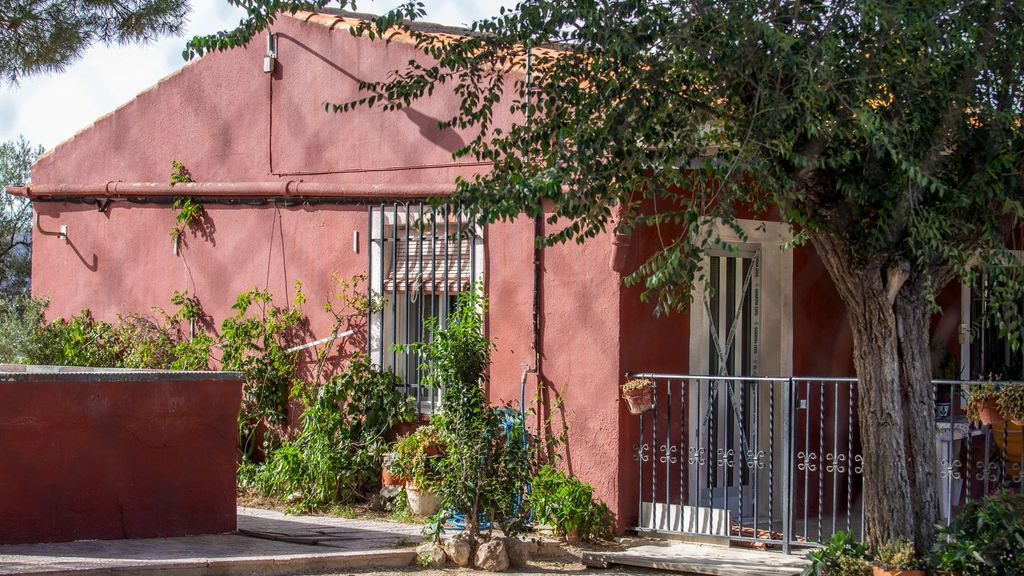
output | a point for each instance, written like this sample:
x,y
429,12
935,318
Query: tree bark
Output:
x,y
895,405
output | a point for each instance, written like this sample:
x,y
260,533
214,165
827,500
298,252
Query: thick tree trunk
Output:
x,y
889,320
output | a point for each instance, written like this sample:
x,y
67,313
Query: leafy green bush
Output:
x,y
22,339
985,539
841,556
568,504
337,455
254,341
897,555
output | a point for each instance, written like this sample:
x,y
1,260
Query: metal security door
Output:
x,y
732,307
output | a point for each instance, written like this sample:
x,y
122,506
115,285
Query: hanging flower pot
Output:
x,y
639,395
983,405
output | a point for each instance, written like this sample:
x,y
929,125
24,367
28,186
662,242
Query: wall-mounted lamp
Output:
x,y
271,58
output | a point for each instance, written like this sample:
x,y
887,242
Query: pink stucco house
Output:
x,y
295,193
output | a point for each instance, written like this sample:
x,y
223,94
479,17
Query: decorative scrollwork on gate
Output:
x,y
858,466
836,463
987,470
725,457
641,452
755,459
697,456
950,469
807,461
668,453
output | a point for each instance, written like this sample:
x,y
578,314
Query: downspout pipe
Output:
x,y
283,189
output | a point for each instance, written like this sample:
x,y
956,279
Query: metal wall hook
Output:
x,y
61,233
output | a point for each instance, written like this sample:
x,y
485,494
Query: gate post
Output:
x,y
787,456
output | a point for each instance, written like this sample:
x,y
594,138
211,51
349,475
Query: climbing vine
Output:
x,y
190,211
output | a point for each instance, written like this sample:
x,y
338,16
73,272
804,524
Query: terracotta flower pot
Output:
x,y
989,413
876,571
389,479
639,401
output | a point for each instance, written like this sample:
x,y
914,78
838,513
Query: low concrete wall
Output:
x,y
107,454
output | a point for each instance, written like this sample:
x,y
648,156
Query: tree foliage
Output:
x,y
45,36
16,157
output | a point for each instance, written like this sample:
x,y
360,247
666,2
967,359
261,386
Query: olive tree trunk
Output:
x,y
889,316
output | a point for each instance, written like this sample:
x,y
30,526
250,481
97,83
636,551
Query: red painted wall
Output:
x,y
116,455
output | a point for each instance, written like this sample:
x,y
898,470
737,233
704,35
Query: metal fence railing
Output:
x,y
777,461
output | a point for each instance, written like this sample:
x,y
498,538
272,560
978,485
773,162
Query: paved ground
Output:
x,y
270,543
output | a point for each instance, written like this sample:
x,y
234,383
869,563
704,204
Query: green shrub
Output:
x,y
337,455
841,556
985,539
487,462
22,338
897,555
568,504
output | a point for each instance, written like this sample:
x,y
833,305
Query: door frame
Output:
x,y
775,354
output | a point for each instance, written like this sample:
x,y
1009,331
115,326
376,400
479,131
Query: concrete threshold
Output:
x,y
702,559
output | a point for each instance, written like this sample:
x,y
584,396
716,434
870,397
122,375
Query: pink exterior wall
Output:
x,y
116,455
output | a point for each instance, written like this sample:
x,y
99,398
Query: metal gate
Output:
x,y
800,458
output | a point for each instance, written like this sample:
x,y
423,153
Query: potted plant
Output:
x,y
1011,402
897,558
639,395
982,408
416,459
841,556
390,475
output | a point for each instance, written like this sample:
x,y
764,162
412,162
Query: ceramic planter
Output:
x,y
422,502
640,400
876,571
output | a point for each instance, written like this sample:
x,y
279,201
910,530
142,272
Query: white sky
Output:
x,y
49,108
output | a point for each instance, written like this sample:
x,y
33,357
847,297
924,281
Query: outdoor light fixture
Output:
x,y
271,57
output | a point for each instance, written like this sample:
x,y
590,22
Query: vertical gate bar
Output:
x,y
710,456
682,449
640,483
446,212
369,279
726,475
383,254
835,453
1003,461
668,452
988,458
949,459
771,455
434,303
849,454
821,453
970,448
654,455
408,312
458,248
741,473
394,299
807,454
787,476
756,426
